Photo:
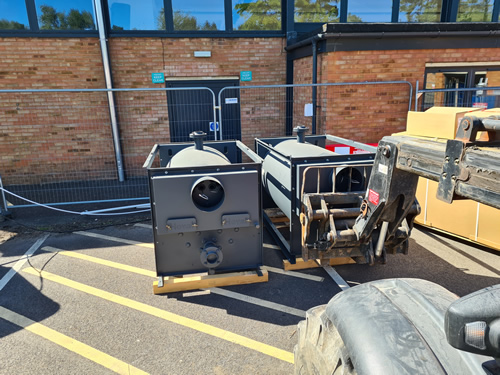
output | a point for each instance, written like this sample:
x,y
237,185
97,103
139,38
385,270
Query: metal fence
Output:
x,y
57,146
477,97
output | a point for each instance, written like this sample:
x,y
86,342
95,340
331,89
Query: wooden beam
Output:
x,y
300,264
181,284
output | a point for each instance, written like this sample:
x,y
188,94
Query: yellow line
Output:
x,y
171,317
100,261
67,342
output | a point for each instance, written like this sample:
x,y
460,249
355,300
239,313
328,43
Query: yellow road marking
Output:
x,y
69,343
141,271
116,239
100,261
168,316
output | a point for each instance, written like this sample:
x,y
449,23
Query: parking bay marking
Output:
x,y
69,343
115,239
168,316
141,271
19,264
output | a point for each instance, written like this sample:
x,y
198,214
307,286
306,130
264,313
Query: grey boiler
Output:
x,y
206,207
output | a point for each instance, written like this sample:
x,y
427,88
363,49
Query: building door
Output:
x,y
192,110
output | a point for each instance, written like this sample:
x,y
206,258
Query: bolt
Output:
x,y
457,161
230,241
466,124
198,233
236,229
386,151
168,227
409,162
453,178
188,244
166,172
447,159
445,174
181,234
257,225
219,231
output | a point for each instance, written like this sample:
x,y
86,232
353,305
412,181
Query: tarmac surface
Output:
x,y
82,302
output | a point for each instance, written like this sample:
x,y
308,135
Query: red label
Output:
x,y
373,197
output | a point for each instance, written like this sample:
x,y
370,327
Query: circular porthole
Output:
x,y
207,194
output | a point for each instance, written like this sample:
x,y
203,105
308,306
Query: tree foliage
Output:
x,y
475,11
184,21
316,11
260,15
50,19
11,25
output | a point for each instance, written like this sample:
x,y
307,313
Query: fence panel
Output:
x,y
57,145
483,97
361,111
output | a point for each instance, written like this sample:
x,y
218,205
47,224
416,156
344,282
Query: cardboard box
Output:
x,y
436,122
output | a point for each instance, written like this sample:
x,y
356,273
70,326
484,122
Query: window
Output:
x,y
198,15
136,14
475,10
369,11
317,11
65,15
462,78
256,14
13,15
420,11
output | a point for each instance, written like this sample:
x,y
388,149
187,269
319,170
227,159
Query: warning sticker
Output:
x,y
373,197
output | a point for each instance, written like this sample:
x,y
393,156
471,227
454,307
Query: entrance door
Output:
x,y
192,110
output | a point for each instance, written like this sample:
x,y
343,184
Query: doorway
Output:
x,y
193,110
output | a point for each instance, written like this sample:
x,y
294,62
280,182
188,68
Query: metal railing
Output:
x,y
475,97
57,146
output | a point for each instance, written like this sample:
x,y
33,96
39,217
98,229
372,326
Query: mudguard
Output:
x,y
396,326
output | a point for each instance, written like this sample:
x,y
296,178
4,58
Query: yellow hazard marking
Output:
x,y
171,317
116,239
100,261
69,343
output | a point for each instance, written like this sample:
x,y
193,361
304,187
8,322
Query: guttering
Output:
x,y
387,35
109,85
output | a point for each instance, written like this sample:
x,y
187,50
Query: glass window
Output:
x,y
317,11
65,15
13,15
369,11
256,14
420,11
136,14
475,10
198,15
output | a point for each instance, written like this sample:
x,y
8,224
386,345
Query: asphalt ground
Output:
x,y
74,307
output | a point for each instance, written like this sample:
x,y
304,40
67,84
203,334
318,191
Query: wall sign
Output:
x,y
157,77
245,76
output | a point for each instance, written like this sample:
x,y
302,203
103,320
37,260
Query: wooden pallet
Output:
x,y
184,283
300,264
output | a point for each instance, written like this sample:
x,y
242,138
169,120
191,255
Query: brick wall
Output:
x,y
367,113
47,137
134,59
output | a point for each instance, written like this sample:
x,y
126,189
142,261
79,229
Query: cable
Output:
x,y
71,212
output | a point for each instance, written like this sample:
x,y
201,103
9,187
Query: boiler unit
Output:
x,y
206,207
314,196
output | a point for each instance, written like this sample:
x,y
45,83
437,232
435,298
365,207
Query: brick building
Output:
x,y
55,44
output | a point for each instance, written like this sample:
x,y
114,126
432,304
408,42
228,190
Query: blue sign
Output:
x,y
158,77
245,76
214,126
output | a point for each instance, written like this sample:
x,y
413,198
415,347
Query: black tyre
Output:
x,y
320,349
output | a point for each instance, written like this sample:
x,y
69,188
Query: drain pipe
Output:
x,y
314,81
109,85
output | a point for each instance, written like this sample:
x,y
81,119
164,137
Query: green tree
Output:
x,y
184,21
475,11
260,15
50,19
316,11
421,10
11,25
